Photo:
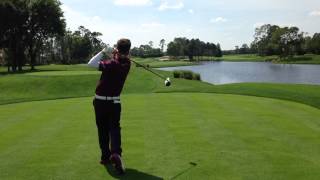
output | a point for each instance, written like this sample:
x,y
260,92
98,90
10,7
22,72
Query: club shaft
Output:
x,y
148,69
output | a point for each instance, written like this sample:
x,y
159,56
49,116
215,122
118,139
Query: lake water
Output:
x,y
236,72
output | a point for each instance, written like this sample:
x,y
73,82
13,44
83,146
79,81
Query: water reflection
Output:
x,y
236,72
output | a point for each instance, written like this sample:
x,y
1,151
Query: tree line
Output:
x,y
34,32
275,40
148,50
182,46
282,41
76,47
243,49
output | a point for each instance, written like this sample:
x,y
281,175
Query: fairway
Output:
x,y
223,136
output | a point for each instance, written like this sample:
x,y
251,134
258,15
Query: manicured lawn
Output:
x,y
185,131
304,59
245,57
227,136
55,67
155,63
65,84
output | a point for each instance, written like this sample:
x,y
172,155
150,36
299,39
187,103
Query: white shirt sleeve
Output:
x,y
94,61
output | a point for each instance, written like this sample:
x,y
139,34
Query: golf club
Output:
x,y
167,81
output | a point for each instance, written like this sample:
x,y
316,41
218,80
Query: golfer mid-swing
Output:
x,y
107,101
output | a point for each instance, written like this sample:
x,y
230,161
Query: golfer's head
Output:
x,y
123,46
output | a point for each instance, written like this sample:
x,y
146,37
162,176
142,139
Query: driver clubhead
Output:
x,y
167,82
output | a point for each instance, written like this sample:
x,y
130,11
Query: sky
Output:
x,y
228,22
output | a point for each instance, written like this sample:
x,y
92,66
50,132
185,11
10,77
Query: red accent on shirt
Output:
x,y
113,77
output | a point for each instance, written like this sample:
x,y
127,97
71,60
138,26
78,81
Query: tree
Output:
x,y
173,49
193,48
307,44
281,41
237,51
13,16
315,43
291,42
146,51
162,44
83,44
64,47
25,26
150,44
219,51
45,21
244,49
263,39
75,47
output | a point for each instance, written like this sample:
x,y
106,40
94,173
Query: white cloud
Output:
x,y
191,11
165,5
218,20
132,2
314,13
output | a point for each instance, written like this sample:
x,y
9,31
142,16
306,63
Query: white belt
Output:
x,y
115,99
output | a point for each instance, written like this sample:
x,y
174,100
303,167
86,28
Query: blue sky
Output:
x,y
228,22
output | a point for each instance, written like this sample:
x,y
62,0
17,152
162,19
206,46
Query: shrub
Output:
x,y
176,74
196,76
186,75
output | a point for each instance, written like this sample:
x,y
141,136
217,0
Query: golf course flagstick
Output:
x,y
167,81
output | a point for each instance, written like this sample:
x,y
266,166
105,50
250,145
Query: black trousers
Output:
x,y
108,124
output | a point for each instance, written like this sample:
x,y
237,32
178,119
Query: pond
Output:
x,y
237,72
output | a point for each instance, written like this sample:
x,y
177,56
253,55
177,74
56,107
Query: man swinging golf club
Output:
x,y
107,101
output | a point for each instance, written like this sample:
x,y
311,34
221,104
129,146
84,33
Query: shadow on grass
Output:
x,y
131,174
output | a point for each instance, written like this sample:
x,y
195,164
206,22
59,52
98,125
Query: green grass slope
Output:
x,y
301,59
227,136
75,81
156,63
245,57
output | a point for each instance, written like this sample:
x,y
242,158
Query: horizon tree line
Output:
x,y
284,42
193,48
148,50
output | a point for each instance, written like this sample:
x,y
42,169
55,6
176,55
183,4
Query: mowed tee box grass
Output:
x,y
164,129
